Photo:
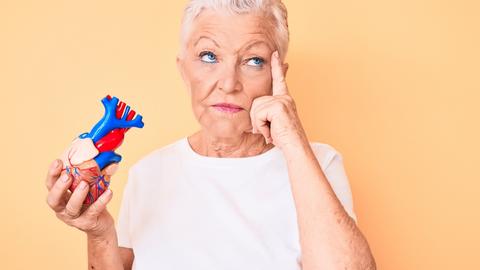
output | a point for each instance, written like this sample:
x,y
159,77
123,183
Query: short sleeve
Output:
x,y
332,165
123,223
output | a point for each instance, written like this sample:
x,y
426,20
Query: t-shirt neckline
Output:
x,y
226,161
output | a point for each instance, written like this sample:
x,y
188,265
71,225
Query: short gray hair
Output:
x,y
274,10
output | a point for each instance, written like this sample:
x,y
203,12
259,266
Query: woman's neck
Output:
x,y
245,145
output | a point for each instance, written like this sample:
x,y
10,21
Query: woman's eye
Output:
x,y
208,57
255,61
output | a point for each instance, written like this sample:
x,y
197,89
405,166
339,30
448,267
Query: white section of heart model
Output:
x,y
79,151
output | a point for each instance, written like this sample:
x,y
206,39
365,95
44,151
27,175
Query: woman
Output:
x,y
247,191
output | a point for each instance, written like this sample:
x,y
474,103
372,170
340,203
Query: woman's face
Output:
x,y
226,65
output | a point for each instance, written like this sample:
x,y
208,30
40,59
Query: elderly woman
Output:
x,y
247,191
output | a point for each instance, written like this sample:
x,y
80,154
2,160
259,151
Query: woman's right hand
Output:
x,y
94,220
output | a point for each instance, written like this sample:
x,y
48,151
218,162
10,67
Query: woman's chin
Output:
x,y
226,129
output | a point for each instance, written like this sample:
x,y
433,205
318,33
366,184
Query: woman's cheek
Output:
x,y
200,76
257,83
202,80
198,69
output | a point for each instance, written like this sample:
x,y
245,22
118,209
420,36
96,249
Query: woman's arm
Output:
x,y
103,251
329,237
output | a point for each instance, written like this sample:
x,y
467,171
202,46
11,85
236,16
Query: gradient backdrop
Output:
x,y
393,85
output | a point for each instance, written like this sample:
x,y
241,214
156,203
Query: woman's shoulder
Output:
x,y
324,152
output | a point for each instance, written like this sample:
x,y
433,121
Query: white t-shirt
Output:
x,y
181,210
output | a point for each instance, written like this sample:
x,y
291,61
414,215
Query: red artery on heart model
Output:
x,y
91,157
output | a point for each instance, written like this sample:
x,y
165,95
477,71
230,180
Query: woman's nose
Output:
x,y
229,79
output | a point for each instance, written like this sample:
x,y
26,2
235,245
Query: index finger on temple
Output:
x,y
279,87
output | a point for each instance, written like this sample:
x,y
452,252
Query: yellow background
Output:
x,y
393,85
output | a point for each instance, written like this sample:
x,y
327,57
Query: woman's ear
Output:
x,y
180,67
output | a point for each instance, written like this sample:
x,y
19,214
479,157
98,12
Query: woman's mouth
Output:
x,y
227,107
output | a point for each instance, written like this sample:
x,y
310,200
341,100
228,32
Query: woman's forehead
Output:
x,y
218,27
259,41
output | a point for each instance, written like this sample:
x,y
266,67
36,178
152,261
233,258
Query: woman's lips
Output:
x,y
227,107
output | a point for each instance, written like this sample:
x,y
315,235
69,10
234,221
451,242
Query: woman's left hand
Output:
x,y
275,116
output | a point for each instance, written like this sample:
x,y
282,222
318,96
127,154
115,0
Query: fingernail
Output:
x,y
112,169
64,178
54,164
275,54
83,185
106,193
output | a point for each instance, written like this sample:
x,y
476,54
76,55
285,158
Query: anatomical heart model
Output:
x,y
89,156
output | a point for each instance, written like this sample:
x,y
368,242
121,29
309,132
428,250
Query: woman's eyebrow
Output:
x,y
256,43
205,37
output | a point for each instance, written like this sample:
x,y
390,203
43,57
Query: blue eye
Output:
x,y
256,62
208,57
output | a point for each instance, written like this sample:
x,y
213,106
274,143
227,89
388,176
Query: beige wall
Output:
x,y
393,85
